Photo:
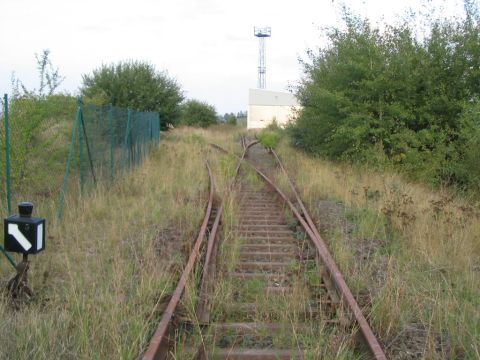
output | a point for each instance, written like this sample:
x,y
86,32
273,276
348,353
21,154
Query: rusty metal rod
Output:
x,y
297,196
342,287
203,313
332,268
158,346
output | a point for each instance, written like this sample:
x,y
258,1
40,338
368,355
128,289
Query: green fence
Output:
x,y
110,141
46,155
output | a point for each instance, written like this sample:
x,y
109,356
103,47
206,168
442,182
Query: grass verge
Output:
x,y
113,259
411,255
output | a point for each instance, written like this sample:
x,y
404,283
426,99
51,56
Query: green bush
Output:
x,y
230,118
372,94
269,139
197,113
40,128
137,85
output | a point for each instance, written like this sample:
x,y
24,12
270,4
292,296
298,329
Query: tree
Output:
x,y
375,94
198,113
137,85
49,77
230,118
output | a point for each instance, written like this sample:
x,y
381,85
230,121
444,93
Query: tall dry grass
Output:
x,y
110,263
117,253
412,252
299,330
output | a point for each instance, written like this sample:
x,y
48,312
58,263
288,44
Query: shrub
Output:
x,y
197,113
230,119
269,139
370,90
40,128
137,85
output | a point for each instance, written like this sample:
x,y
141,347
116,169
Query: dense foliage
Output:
x,y
197,113
136,85
230,118
269,139
270,136
39,130
388,99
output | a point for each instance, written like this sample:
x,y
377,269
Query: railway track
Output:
x,y
286,297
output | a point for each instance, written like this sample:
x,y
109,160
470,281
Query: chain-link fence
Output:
x,y
46,155
107,141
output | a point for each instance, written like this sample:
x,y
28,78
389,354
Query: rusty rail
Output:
x,y
329,262
336,274
159,343
203,313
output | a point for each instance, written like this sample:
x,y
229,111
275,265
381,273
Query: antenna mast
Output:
x,y
262,33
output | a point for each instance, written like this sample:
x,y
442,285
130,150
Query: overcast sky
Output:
x,y
207,45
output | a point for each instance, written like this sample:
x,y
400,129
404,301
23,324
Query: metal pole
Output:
x,y
81,139
9,258
7,157
89,153
61,200
127,139
112,141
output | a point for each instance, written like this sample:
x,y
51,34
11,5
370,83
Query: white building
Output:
x,y
264,106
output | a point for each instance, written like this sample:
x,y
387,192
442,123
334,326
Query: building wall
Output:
x,y
265,105
260,116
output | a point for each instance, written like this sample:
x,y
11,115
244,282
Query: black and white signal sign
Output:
x,y
23,233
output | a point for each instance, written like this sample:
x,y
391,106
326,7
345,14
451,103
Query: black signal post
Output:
x,y
23,234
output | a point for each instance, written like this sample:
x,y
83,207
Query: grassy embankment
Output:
x,y
112,260
409,253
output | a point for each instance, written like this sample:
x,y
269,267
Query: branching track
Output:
x,y
279,248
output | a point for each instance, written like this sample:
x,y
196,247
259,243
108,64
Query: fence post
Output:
x,y
112,141
7,172
69,160
127,138
7,157
85,137
81,139
8,256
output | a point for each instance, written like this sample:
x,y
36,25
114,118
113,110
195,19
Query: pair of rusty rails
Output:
x,y
158,347
160,342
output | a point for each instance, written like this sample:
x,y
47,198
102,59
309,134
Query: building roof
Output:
x,y
269,98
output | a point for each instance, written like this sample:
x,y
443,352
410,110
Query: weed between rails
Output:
x,y
299,312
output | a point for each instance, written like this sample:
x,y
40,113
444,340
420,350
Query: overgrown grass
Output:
x,y
411,255
299,330
269,139
271,135
110,263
